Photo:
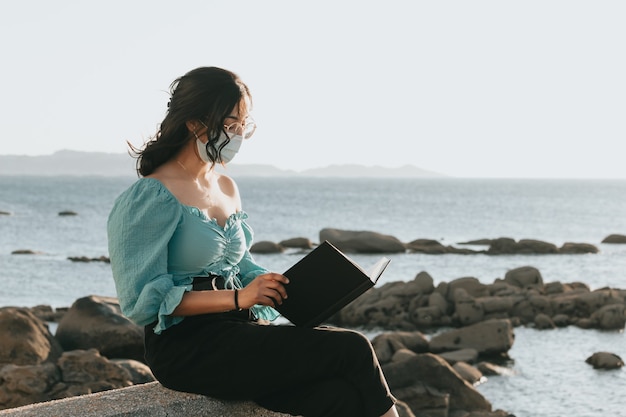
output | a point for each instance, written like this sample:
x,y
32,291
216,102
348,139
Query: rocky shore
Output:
x,y
436,343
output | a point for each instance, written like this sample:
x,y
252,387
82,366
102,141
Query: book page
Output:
x,y
377,270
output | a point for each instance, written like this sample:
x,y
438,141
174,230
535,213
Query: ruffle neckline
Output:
x,y
232,219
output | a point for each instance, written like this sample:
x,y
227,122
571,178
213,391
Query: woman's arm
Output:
x,y
266,289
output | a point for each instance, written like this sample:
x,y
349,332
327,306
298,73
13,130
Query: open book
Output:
x,y
323,282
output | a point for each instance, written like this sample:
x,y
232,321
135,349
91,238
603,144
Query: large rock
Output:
x,y
428,370
524,277
577,248
97,323
362,241
25,339
614,238
508,246
28,384
386,344
490,337
605,360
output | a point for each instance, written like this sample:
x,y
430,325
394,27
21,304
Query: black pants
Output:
x,y
301,371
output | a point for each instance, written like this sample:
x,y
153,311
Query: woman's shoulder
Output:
x,y
145,192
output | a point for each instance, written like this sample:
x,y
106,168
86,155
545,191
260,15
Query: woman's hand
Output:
x,y
266,289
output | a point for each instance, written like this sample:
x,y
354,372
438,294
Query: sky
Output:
x,y
477,89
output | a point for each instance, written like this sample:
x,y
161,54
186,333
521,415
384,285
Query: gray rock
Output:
x,y
266,246
614,238
577,248
524,277
605,360
362,241
428,370
95,322
490,337
25,339
297,242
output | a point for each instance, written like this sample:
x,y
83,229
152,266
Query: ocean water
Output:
x,y
548,374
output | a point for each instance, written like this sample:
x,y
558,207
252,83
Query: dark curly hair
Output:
x,y
207,94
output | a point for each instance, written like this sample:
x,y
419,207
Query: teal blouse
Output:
x,y
157,245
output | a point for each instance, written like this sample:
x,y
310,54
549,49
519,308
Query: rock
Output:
x,y
487,368
297,242
502,304
140,373
265,246
614,239
468,311
461,355
386,344
47,313
22,385
362,241
524,277
26,252
490,337
5,213
605,360
578,248
25,339
543,322
433,247
609,317
97,322
402,355
430,372
472,286
561,320
468,372
103,258
68,213
507,246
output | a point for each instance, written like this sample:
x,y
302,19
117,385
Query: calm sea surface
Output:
x,y
548,374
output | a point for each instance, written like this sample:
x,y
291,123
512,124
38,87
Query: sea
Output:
x,y
547,374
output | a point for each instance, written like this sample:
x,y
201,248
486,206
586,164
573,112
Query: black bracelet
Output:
x,y
237,300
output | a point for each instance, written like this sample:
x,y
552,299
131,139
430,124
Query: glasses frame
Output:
x,y
244,129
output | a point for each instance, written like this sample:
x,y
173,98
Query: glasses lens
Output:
x,y
248,130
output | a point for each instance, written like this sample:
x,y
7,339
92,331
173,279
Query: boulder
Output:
x,y
472,286
468,372
508,246
609,317
605,360
25,339
428,371
490,337
461,355
362,241
386,344
524,277
297,242
577,248
97,322
27,384
266,246
543,322
614,238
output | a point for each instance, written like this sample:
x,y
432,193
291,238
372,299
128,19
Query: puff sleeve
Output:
x,y
139,228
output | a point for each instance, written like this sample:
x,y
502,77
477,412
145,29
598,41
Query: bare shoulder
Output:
x,y
228,186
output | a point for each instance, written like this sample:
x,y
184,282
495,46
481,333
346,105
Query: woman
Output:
x,y
179,247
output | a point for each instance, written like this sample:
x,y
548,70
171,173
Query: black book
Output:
x,y
322,283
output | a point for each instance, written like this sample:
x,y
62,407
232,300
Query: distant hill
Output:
x,y
119,165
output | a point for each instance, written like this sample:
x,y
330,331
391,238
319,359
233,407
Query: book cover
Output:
x,y
323,282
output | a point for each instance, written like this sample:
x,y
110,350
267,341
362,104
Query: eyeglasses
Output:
x,y
245,129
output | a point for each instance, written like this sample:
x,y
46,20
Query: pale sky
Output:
x,y
528,89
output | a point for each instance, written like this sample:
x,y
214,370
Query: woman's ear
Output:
x,y
192,125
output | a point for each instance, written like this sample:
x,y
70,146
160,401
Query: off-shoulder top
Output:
x,y
157,245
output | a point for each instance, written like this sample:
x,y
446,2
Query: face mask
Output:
x,y
226,154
